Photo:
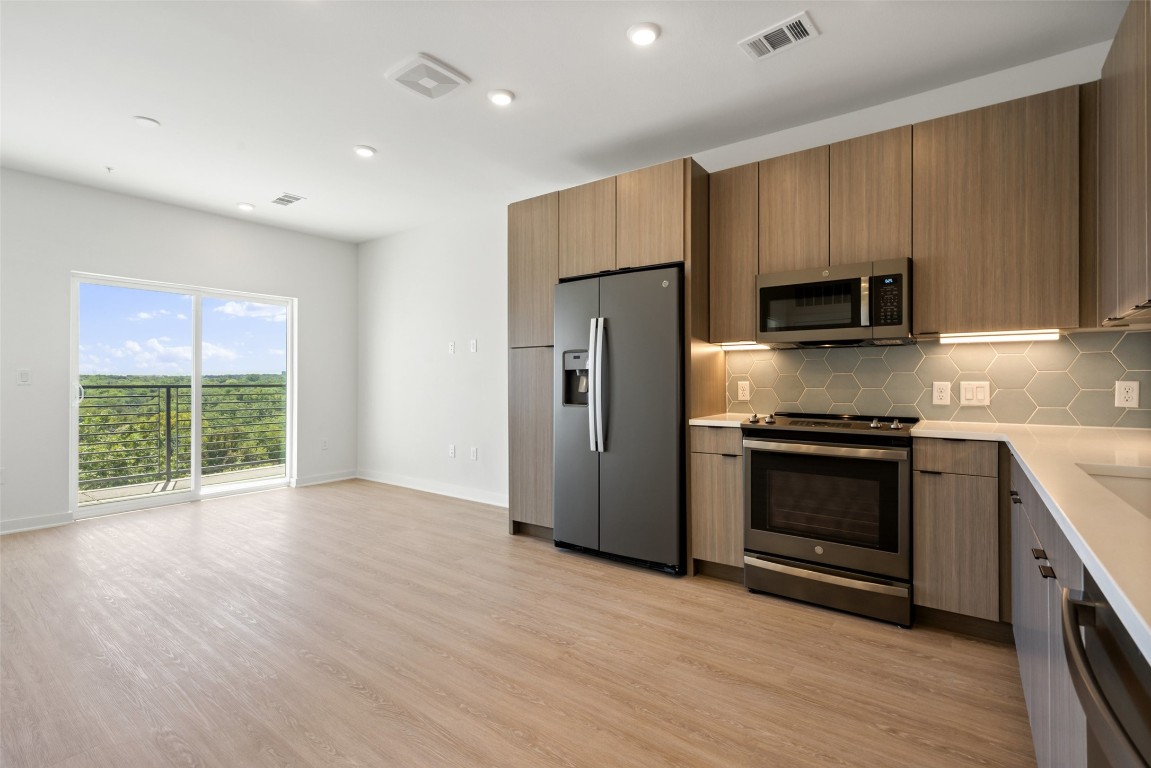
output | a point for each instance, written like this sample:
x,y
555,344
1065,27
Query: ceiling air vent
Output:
x,y
424,75
795,30
287,199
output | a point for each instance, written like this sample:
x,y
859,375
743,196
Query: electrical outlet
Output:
x,y
475,454
941,393
472,345
1126,394
743,391
451,450
451,347
324,444
975,393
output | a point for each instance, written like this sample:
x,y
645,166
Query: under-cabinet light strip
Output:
x,y
1049,334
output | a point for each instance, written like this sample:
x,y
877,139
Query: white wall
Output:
x,y
418,291
49,228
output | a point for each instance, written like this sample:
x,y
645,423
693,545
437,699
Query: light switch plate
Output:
x,y
941,393
23,377
975,393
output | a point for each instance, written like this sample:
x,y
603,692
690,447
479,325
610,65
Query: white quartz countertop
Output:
x,y
1111,537
719,420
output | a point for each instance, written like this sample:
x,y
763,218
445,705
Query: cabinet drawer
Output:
x,y
958,457
728,440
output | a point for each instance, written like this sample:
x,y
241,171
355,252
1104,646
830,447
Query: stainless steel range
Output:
x,y
827,511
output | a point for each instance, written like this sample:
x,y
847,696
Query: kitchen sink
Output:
x,y
1132,484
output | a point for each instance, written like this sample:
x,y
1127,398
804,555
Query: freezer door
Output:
x,y
576,464
641,483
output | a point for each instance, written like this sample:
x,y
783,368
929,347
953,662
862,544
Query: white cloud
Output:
x,y
153,356
214,352
271,312
148,315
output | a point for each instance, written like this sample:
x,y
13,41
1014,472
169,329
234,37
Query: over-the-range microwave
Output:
x,y
843,305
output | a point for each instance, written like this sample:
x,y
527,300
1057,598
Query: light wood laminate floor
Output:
x,y
356,624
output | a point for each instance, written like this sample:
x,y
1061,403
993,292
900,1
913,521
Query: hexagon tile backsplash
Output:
x,y
1069,381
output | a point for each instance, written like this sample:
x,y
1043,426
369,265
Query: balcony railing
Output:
x,y
134,434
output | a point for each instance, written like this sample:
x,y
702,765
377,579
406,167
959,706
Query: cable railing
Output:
x,y
134,434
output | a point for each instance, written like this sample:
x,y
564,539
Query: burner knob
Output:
x,y
896,425
754,419
769,418
874,424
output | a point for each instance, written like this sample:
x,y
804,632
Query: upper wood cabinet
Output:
x,y
533,244
734,249
871,197
1124,152
996,225
650,207
587,222
793,211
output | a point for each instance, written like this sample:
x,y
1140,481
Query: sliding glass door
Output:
x,y
180,393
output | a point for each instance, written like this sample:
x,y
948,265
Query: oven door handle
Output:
x,y
882,454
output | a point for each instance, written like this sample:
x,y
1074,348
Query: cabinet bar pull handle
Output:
x,y
929,472
1047,571
1039,554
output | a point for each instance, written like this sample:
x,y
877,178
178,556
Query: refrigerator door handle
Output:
x,y
592,369
598,389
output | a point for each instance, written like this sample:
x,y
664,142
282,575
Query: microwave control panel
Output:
x,y
888,299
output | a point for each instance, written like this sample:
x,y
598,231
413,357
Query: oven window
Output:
x,y
809,306
846,501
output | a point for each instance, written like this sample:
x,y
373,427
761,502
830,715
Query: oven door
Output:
x,y
836,505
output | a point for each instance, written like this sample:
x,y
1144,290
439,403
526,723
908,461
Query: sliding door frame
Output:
x,y
197,491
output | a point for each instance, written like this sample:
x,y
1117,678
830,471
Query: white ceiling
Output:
x,y
261,98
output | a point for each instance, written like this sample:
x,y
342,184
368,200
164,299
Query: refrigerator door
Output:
x,y
576,467
641,494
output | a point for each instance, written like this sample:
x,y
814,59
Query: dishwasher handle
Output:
x,y
1101,719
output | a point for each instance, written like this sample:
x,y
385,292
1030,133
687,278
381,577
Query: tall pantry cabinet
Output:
x,y
533,262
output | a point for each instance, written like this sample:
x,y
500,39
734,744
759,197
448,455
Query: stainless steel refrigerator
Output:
x,y
619,417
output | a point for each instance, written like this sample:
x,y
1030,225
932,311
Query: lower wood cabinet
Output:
x,y
955,526
530,436
1043,562
717,495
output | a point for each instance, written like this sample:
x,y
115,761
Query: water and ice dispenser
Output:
x,y
576,384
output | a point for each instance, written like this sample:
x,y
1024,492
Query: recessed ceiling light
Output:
x,y
501,98
246,207
643,34
363,150
146,122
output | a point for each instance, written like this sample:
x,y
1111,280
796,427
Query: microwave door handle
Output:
x,y
591,372
865,301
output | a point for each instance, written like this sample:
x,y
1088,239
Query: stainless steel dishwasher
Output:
x,y
1111,678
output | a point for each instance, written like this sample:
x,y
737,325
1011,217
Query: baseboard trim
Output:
x,y
530,529
996,631
441,489
723,571
332,477
22,524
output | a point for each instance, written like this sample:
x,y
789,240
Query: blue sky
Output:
x,y
144,332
